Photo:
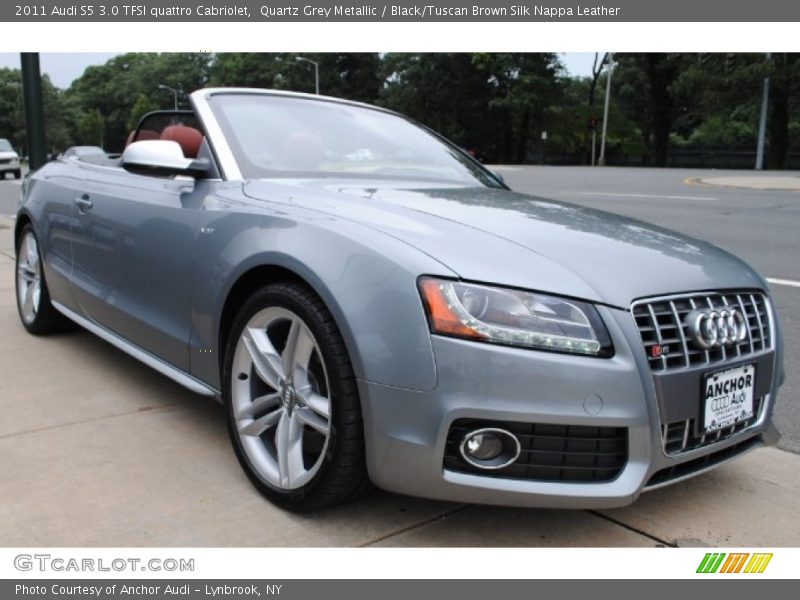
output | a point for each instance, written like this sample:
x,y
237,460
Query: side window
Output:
x,y
177,126
182,127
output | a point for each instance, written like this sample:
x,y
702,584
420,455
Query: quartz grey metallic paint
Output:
x,y
153,261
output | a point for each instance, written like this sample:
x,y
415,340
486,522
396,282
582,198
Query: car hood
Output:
x,y
5,155
498,236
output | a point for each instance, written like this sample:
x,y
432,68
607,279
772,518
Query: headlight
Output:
x,y
514,317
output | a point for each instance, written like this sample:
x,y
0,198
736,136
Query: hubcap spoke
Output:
x,y
296,356
289,447
266,359
259,405
25,272
32,251
36,294
319,404
312,419
262,424
27,303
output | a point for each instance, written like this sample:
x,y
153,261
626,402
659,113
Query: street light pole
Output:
x,y
602,160
174,94
762,123
316,70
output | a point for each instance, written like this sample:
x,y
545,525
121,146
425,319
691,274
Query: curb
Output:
x,y
701,182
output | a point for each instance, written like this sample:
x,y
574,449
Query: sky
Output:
x,y
64,67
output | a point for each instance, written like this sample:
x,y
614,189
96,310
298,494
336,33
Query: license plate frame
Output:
x,y
727,397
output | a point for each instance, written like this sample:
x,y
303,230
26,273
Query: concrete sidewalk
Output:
x,y
98,450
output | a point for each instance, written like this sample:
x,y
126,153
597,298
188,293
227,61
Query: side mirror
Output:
x,y
162,157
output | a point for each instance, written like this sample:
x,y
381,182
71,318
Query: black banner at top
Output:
x,y
400,11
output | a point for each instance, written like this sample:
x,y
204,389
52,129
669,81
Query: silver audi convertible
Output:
x,y
373,306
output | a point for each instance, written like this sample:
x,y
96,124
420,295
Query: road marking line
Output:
x,y
654,196
788,282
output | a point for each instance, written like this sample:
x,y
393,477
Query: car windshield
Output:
x,y
5,146
279,136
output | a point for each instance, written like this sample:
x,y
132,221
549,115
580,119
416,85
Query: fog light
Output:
x,y
490,448
484,446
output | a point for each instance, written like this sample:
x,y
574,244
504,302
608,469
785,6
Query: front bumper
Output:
x,y
406,430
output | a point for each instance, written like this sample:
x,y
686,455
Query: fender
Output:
x,y
345,263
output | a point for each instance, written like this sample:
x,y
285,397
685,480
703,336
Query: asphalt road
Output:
x,y
762,227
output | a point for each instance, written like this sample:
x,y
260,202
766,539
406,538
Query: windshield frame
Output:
x,y
231,154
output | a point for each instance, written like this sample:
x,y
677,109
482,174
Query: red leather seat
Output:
x,y
144,134
189,138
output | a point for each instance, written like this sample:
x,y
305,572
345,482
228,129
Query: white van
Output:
x,y
9,160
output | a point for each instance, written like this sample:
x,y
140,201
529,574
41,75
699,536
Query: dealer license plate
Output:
x,y
728,397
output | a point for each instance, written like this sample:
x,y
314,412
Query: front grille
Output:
x,y
571,453
682,436
688,468
661,322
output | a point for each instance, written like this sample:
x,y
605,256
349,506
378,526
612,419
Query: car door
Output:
x,y
132,257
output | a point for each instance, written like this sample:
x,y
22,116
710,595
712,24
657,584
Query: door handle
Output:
x,y
83,203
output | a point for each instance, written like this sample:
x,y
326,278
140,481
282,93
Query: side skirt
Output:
x,y
178,376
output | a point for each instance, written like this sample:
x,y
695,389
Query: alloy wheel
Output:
x,y
280,398
29,278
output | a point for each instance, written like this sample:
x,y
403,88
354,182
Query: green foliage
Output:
x,y
497,104
90,129
12,115
140,108
116,87
352,76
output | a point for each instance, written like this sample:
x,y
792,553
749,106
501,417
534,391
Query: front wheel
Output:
x,y
17,174
294,415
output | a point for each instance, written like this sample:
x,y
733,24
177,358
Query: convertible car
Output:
x,y
373,306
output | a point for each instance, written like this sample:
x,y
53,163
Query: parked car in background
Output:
x,y
372,305
9,160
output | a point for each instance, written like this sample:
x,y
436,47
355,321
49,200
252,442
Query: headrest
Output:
x,y
144,134
303,150
189,138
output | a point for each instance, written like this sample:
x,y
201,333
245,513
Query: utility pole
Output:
x,y
34,111
602,160
762,122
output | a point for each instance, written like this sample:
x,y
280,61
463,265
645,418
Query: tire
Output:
x,y
33,298
17,174
299,437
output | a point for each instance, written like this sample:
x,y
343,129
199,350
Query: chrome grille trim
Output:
x,y
660,321
679,436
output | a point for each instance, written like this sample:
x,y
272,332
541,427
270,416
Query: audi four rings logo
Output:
x,y
715,327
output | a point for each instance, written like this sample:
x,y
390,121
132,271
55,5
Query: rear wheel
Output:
x,y
293,410
33,299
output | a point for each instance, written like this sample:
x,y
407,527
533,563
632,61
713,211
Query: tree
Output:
x,y
494,103
644,89
12,121
114,88
784,92
12,114
90,129
140,108
355,76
